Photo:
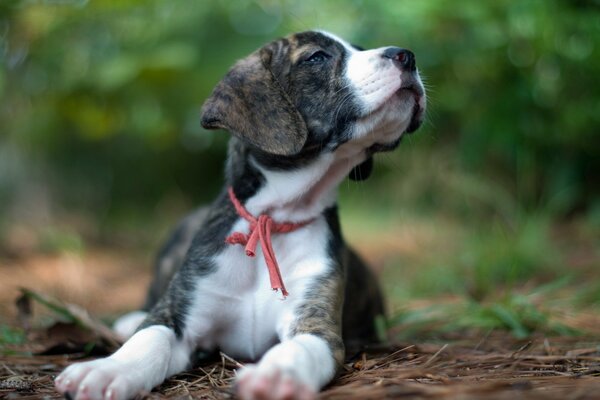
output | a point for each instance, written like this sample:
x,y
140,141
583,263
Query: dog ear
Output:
x,y
251,104
362,171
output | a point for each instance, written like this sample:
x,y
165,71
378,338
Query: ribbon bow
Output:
x,y
260,230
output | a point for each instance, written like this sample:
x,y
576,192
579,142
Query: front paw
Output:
x,y
103,379
256,383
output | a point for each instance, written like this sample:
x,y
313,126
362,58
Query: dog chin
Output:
x,y
412,95
402,114
383,147
415,123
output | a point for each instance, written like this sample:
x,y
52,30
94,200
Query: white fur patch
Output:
x,y
249,311
338,39
126,325
374,78
304,360
144,361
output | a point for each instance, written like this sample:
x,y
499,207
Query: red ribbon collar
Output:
x,y
260,230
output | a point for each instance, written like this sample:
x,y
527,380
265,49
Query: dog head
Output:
x,y
312,92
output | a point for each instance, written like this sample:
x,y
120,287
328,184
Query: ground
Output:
x,y
495,367
39,340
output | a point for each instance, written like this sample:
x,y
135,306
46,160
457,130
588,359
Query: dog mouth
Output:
x,y
417,93
412,92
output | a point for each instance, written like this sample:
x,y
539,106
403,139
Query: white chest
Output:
x,y
235,308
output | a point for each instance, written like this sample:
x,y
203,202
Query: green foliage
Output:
x,y
514,313
101,98
506,257
478,260
99,115
54,305
55,241
10,336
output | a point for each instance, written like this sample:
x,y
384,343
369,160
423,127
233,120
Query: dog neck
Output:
x,y
292,195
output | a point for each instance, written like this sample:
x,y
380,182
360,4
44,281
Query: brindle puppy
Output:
x,y
304,111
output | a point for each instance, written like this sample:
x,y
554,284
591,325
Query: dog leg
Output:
x,y
126,325
310,352
293,369
144,361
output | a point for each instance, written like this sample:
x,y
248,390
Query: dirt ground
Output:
x,y
471,366
493,368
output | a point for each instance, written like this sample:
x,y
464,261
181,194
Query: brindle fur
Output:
x,y
283,113
289,106
346,302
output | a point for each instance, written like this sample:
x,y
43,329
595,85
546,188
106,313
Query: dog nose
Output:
x,y
403,58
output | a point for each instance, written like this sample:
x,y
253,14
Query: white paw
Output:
x,y
255,382
103,379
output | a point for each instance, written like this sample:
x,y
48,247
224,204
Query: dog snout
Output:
x,y
403,58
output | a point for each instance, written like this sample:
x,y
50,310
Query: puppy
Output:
x,y
263,274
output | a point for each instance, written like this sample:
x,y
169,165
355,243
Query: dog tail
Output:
x,y
127,325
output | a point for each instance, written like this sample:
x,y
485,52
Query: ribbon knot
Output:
x,y
260,230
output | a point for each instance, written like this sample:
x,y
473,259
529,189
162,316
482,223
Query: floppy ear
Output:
x,y
251,104
362,171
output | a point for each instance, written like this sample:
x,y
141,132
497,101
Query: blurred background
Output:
x,y
488,217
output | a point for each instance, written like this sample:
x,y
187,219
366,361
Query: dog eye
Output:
x,y
316,58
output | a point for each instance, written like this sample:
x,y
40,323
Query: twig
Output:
x,y
437,353
225,356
